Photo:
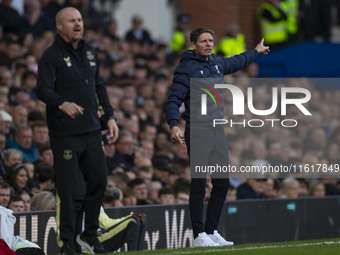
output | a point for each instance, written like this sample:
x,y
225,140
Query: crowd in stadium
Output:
x,y
144,165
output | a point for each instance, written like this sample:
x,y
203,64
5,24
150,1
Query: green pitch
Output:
x,y
310,247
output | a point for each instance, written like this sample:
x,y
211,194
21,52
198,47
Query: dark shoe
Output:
x,y
67,249
91,245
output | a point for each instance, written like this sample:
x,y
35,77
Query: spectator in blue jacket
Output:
x,y
253,188
209,143
23,143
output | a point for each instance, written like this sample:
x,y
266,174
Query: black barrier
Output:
x,y
245,221
281,220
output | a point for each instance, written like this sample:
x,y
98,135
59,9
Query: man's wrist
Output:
x,y
60,106
112,117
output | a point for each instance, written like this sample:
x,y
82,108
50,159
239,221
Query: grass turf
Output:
x,y
310,247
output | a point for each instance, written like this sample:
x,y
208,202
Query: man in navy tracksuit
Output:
x,y
209,143
71,87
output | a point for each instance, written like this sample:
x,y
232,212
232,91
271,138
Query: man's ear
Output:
x,y
59,26
193,45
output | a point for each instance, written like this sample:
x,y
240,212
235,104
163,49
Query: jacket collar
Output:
x,y
192,55
68,45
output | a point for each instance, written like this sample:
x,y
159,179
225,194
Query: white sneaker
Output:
x,y
217,238
203,240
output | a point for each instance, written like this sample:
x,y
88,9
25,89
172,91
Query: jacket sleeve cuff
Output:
x,y
112,117
173,123
60,103
256,52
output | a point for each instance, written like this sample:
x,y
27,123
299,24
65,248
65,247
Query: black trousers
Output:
x,y
210,148
74,156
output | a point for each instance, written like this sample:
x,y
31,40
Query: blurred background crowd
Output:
x,y
144,165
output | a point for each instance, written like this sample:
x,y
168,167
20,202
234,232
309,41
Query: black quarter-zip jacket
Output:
x,y
68,74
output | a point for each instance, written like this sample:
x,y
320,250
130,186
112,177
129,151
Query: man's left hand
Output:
x,y
113,131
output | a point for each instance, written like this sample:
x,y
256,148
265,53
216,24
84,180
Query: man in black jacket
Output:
x,y
71,87
208,144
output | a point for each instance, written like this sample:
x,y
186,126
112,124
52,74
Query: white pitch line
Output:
x,y
258,247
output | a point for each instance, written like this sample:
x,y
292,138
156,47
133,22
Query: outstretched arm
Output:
x,y
239,62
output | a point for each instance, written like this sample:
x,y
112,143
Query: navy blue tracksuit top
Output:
x,y
193,65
